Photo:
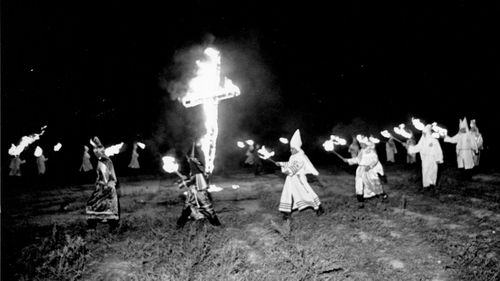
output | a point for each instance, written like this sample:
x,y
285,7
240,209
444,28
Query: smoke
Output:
x,y
253,114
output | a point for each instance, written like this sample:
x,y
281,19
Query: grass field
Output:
x,y
449,234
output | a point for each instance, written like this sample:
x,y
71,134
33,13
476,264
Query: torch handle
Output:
x,y
272,161
340,156
396,139
181,177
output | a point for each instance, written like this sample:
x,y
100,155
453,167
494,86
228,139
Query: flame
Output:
x,y
240,144
25,142
205,88
374,140
141,145
114,149
402,132
249,142
417,124
57,147
439,130
329,145
386,134
38,151
264,153
338,140
284,140
235,186
169,164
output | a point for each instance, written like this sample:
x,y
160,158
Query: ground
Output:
x,y
448,234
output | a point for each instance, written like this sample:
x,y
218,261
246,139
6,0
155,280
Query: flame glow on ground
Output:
x,y
205,88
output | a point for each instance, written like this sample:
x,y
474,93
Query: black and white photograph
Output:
x,y
249,140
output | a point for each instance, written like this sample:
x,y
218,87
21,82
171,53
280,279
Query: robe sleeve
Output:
x,y
292,167
453,139
353,161
437,152
413,149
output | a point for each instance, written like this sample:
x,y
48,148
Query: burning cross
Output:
x,y
206,89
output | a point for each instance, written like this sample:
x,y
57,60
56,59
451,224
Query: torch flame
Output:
x,y
240,144
141,145
57,147
338,140
114,149
38,151
438,130
402,132
284,140
374,140
250,142
25,142
169,164
264,153
205,88
329,145
417,124
386,134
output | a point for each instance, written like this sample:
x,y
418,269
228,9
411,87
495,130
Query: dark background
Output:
x,y
88,69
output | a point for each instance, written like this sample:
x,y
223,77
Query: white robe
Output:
x,y
479,141
390,149
466,147
297,193
40,163
430,154
367,183
86,165
15,166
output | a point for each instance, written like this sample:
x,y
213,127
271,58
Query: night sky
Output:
x,y
88,69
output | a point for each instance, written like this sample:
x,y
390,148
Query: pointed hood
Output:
x,y
296,141
99,149
473,126
463,124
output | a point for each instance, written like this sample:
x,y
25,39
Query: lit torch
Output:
x,y
170,166
141,145
374,140
438,131
249,142
402,132
114,149
284,140
57,147
386,134
206,89
417,124
25,142
265,154
240,144
329,145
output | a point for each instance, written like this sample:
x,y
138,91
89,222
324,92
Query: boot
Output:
x,y
320,211
214,220
361,201
183,218
286,216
